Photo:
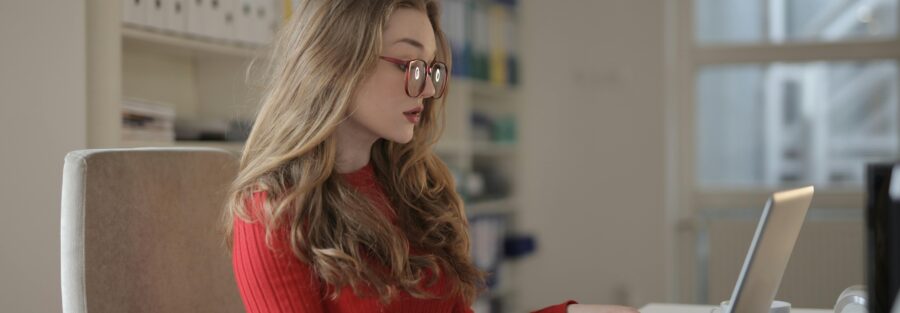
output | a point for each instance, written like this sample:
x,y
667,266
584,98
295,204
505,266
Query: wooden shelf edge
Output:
x,y
494,148
188,44
484,87
502,205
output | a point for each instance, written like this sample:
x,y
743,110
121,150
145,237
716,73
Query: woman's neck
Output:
x,y
354,146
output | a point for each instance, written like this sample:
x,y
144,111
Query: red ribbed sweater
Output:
x,y
274,280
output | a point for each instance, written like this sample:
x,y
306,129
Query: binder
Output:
x,y
497,47
264,22
512,41
196,11
156,14
227,30
134,12
244,13
214,19
480,39
286,8
176,16
487,231
272,20
512,45
454,26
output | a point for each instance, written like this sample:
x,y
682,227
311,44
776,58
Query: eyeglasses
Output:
x,y
416,73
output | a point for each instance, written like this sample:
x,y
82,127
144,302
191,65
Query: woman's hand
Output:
x,y
597,308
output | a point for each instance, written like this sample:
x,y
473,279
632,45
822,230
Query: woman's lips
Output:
x,y
412,117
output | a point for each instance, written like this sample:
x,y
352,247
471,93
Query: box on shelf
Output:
x,y
177,16
156,14
252,22
196,17
134,12
488,232
144,120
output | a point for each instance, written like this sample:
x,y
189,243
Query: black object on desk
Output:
x,y
882,235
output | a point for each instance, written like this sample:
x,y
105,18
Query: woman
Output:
x,y
340,204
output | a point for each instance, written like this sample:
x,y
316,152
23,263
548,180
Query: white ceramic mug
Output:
x,y
777,307
852,300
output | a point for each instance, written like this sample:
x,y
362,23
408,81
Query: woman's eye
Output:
x,y
402,67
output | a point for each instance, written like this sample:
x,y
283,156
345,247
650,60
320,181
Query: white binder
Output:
x,y
254,24
156,14
176,16
244,14
214,19
196,17
227,20
134,13
267,18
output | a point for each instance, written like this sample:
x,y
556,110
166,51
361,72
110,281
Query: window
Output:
x,y
795,123
742,21
791,92
769,94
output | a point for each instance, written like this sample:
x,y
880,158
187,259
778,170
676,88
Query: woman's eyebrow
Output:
x,y
414,43
411,42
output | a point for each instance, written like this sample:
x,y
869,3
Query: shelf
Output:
x,y
449,147
233,147
498,292
503,205
478,148
485,87
494,148
485,90
184,44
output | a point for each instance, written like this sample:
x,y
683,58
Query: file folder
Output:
x,y
134,12
176,16
265,21
196,21
226,18
214,19
243,21
156,14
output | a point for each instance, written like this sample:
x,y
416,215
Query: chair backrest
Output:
x,y
141,231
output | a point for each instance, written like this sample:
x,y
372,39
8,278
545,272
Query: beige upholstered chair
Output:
x,y
140,231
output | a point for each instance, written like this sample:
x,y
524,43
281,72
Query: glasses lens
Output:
x,y
415,80
439,78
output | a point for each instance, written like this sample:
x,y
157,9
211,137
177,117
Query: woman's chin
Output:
x,y
401,139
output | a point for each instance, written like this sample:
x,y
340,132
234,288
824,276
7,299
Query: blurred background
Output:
x,y
609,151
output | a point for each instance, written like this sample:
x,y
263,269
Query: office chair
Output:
x,y
141,231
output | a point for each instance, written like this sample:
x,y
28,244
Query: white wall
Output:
x,y
42,116
593,150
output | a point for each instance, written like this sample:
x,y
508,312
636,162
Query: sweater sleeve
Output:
x,y
559,308
460,307
272,281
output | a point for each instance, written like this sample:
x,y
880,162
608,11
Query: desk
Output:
x,y
693,308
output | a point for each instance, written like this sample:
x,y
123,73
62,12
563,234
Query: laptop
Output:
x,y
770,251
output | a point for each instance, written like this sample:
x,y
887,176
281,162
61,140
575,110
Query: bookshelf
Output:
x,y
182,44
201,78
480,139
205,79
467,154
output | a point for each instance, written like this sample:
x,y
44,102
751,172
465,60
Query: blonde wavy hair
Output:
x,y
291,153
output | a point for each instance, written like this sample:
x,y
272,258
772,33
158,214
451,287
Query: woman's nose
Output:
x,y
429,87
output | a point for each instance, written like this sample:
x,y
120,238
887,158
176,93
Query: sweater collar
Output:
x,y
361,177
